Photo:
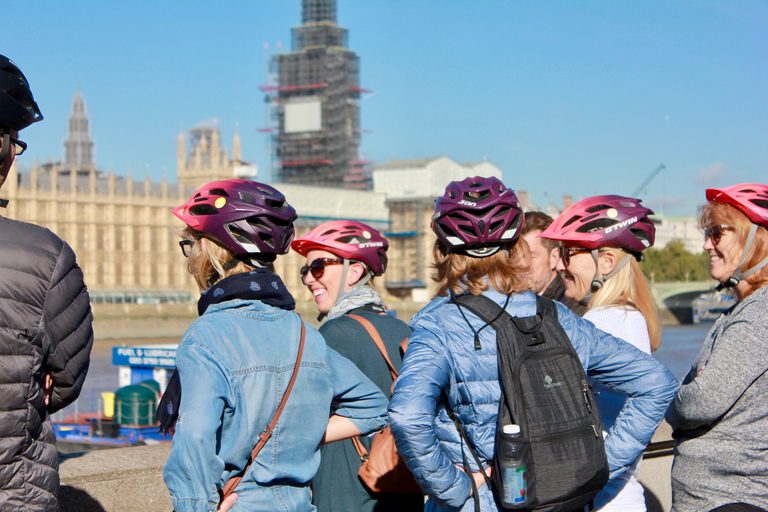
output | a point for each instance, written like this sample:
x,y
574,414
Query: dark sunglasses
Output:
x,y
186,247
317,267
566,252
716,233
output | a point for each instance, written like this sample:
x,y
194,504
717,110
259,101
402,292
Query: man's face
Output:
x,y
543,262
6,165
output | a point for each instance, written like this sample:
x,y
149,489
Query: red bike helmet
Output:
x,y
248,218
605,221
349,240
477,213
749,198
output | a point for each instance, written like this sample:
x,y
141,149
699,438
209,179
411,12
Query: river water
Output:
x,y
679,346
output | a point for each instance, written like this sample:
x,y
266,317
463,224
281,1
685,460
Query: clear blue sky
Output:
x,y
566,97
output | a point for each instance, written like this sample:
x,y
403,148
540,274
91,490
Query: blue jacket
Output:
x,y
441,355
235,362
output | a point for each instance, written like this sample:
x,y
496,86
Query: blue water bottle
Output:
x,y
513,467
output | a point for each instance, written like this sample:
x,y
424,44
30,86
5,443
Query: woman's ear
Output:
x,y
608,261
355,273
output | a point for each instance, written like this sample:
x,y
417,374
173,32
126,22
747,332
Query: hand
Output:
x,y
47,388
228,502
478,477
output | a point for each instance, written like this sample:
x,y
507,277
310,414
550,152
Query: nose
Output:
x,y
560,265
708,243
308,279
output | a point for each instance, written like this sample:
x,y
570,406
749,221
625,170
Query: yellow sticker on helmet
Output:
x,y
220,202
367,234
612,213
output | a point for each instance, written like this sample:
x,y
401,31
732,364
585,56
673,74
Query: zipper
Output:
x,y
584,389
573,433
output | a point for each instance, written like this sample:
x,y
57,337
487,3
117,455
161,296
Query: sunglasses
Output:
x,y
566,252
21,146
715,233
317,267
186,247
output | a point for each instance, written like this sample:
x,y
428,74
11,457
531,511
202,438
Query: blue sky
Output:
x,y
566,97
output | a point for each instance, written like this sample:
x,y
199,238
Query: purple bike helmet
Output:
x,y
251,219
477,215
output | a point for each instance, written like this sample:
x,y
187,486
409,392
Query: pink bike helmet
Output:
x,y
347,239
246,217
476,213
605,221
749,198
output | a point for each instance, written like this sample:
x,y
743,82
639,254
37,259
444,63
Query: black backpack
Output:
x,y
545,391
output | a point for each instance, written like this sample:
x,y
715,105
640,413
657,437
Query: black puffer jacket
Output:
x,y
45,328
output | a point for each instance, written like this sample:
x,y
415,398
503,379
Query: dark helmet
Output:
x,y
17,106
477,213
248,218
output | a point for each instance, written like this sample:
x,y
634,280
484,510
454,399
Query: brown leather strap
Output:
x,y
374,334
264,437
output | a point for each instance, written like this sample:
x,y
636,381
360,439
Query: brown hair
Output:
x,y
539,221
206,261
714,213
459,272
629,285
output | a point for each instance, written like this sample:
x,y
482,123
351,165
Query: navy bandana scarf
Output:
x,y
259,284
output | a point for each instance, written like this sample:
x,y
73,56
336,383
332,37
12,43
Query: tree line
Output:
x,y
675,263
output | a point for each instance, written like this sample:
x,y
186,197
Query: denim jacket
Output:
x,y
235,362
441,355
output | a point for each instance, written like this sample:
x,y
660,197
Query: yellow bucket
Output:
x,y
109,404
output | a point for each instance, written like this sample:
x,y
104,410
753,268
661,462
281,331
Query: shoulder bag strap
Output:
x,y
264,437
374,334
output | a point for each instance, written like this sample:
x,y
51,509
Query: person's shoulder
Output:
x,y
29,234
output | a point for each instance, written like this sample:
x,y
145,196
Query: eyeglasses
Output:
x,y
566,252
186,247
317,267
21,146
716,233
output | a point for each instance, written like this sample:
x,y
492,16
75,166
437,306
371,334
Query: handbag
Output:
x,y
264,437
383,469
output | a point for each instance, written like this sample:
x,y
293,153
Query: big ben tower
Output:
x,y
317,97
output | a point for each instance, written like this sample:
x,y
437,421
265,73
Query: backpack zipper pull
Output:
x,y
584,389
477,341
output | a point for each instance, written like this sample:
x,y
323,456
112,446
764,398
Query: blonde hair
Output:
x,y
629,286
458,272
206,261
713,214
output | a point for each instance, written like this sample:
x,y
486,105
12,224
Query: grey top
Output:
x,y
721,412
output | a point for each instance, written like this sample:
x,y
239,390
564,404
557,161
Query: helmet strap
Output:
x,y
598,280
738,275
5,151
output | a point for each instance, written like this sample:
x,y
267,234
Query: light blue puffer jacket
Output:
x,y
441,355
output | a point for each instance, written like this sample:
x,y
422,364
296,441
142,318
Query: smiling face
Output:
x,y
578,274
724,256
542,261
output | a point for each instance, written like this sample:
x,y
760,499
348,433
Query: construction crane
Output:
x,y
648,180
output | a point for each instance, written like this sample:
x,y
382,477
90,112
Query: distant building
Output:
x,y
317,115
207,160
411,187
78,146
680,228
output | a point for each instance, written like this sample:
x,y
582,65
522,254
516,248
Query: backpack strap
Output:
x,y
264,437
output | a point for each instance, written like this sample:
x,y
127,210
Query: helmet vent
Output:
x,y
247,198
349,240
481,225
496,225
593,226
597,208
761,203
203,209
275,204
628,205
572,220
477,197
218,192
